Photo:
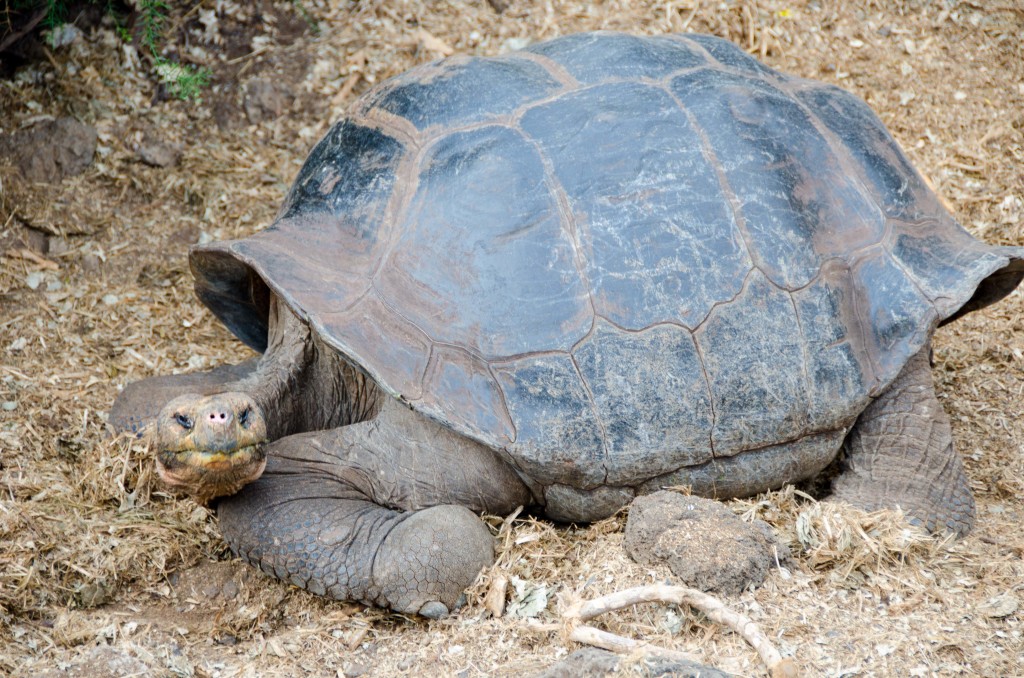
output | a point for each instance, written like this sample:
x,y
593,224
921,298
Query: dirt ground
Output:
x,y
101,573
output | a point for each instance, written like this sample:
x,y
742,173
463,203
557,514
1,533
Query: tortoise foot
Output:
x,y
428,560
305,523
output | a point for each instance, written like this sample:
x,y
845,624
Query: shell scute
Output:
x,y
839,375
481,257
651,396
728,54
896,317
559,435
658,236
598,57
753,352
462,90
795,201
896,184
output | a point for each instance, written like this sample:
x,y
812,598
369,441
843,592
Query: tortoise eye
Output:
x,y
245,418
184,421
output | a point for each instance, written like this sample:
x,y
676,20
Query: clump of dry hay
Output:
x,y
845,542
120,534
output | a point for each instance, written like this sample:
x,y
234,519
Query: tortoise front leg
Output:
x,y
900,453
377,512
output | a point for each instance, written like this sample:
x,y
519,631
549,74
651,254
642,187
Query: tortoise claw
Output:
x,y
434,610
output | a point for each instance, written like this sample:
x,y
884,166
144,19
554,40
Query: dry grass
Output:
x,y
92,554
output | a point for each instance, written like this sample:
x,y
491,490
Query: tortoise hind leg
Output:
x,y
380,512
900,453
141,401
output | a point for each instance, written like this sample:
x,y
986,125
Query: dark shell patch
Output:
x,y
753,353
463,90
650,393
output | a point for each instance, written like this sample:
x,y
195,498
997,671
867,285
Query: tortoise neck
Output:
x,y
302,384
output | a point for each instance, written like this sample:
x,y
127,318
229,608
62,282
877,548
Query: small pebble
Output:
x,y
515,44
230,589
90,263
355,670
63,35
57,246
158,154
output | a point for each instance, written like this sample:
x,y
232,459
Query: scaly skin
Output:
x,y
380,511
900,453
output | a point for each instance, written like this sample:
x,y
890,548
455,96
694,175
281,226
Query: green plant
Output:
x,y
314,27
56,13
182,80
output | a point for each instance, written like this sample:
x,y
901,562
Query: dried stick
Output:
x,y
588,635
680,595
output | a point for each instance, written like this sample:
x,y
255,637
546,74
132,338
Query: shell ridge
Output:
x,y
711,395
724,302
839,150
909,276
805,359
398,205
738,220
554,69
566,218
383,121
747,279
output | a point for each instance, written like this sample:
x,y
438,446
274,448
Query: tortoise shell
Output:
x,y
611,257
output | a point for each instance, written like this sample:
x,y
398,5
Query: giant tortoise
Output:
x,y
561,278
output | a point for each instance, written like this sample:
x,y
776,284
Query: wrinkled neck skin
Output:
x,y
302,384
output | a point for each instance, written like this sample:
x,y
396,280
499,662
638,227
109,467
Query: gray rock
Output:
x,y
158,154
592,662
50,150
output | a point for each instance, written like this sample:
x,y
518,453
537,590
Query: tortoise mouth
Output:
x,y
218,460
206,474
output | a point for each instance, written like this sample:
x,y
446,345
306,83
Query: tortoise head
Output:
x,y
211,446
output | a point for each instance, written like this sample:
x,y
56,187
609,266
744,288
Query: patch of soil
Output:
x,y
101,661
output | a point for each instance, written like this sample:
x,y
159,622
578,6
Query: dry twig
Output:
x,y
715,609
